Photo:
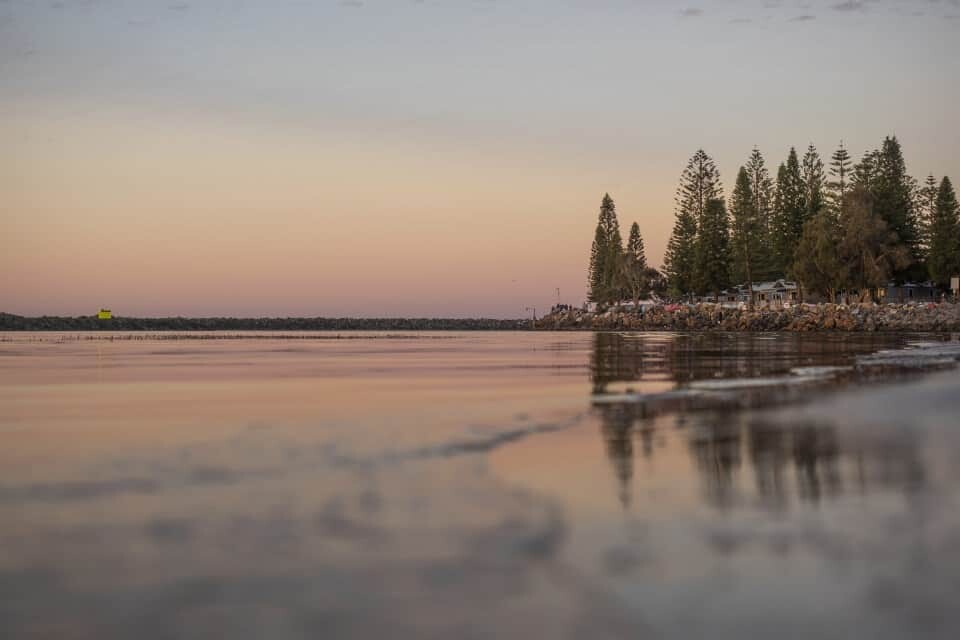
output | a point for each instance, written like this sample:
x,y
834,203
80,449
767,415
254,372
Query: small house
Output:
x,y
768,293
776,292
908,292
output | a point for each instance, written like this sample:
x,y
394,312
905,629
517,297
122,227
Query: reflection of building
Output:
x,y
104,314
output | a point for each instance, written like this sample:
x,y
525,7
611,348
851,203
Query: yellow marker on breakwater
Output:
x,y
104,314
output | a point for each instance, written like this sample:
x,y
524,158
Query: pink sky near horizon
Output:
x,y
217,160
193,224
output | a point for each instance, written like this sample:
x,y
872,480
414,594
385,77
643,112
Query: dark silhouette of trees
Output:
x,y
634,270
713,249
699,184
870,253
798,228
892,198
839,182
791,211
818,266
926,206
944,255
606,256
745,233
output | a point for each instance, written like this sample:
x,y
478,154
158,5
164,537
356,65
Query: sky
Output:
x,y
415,158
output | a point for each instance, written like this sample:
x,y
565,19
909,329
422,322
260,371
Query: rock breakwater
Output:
x,y
713,317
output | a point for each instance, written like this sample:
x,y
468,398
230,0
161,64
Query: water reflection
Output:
x,y
787,461
458,488
715,449
685,357
841,494
618,428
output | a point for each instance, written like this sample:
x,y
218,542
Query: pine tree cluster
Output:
x,y
616,272
842,227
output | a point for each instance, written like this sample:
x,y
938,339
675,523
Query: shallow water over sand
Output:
x,y
479,485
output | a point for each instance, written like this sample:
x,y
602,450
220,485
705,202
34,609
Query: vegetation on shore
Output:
x,y
842,228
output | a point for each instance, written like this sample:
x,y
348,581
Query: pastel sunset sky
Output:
x,y
414,158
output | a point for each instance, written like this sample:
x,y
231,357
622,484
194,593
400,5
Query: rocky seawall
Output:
x,y
10,322
711,317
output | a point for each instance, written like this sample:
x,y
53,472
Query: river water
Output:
x,y
479,485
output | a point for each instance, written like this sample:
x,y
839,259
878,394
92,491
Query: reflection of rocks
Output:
x,y
683,358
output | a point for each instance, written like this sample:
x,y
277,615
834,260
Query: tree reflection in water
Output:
x,y
801,460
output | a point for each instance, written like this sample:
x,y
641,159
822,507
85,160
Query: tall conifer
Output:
x,y
926,207
606,255
813,185
713,249
635,273
612,273
944,258
699,183
679,259
763,200
839,182
635,251
864,173
892,197
791,211
744,231
598,257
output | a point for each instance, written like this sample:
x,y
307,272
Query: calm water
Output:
x,y
492,485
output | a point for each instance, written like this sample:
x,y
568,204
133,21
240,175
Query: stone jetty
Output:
x,y
807,317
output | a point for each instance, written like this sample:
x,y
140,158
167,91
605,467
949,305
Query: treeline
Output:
x,y
10,322
843,227
616,272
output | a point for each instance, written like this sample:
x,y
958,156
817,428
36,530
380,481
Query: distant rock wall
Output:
x,y
707,317
10,322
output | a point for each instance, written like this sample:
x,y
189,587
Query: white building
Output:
x,y
764,293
